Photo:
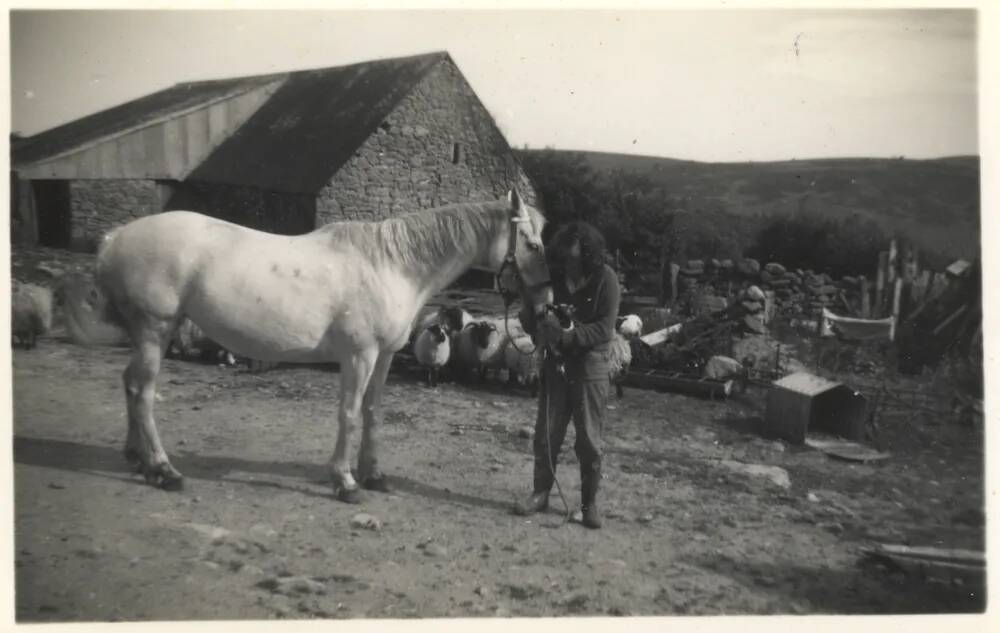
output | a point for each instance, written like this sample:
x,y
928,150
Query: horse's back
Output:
x,y
264,295
151,260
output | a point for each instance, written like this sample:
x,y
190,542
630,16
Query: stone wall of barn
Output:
x,y
439,146
271,211
99,205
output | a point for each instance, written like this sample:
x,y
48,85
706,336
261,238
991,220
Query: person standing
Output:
x,y
574,376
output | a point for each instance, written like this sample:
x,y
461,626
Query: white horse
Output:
x,y
347,292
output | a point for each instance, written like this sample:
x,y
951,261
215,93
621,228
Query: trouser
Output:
x,y
585,404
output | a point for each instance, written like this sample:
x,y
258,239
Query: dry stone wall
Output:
x,y
795,292
99,205
275,212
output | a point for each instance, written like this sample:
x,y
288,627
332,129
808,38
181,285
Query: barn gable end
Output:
x,y
439,145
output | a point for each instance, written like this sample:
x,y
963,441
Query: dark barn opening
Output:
x,y
52,204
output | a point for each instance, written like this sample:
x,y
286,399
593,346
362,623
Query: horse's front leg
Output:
x,y
354,378
371,409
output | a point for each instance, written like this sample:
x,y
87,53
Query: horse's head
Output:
x,y
524,270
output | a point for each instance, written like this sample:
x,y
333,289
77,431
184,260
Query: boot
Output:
x,y
589,484
538,501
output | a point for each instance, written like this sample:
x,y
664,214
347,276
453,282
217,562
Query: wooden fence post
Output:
x,y
866,300
893,263
880,284
897,288
909,274
674,271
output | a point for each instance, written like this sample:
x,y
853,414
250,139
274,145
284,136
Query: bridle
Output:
x,y
510,259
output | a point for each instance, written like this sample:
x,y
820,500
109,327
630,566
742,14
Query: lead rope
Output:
x,y
548,446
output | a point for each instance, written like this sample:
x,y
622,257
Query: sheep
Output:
x,y
508,326
188,337
522,359
31,313
619,361
479,348
432,350
452,319
82,307
629,326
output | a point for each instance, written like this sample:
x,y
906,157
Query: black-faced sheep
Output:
x,y
454,318
480,348
629,326
432,350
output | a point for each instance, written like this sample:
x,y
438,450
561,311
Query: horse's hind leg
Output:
x,y
142,446
354,377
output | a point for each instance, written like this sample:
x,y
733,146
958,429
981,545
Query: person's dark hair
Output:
x,y
592,248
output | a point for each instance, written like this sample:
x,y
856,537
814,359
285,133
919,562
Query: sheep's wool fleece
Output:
x,y
522,358
472,355
27,300
631,325
719,367
429,352
619,354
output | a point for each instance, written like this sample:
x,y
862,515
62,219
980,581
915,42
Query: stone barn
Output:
x,y
285,153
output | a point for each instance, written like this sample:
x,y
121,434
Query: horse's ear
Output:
x,y
516,203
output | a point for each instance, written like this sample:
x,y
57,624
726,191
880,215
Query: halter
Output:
x,y
510,259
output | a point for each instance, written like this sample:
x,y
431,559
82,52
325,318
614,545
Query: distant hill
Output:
x,y
935,201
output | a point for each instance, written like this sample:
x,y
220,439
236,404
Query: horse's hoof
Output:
x,y
353,496
378,483
172,483
164,477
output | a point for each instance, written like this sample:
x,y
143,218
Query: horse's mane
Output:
x,y
423,238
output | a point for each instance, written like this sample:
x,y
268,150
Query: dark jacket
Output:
x,y
595,304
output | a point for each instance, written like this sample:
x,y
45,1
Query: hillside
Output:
x,y
934,201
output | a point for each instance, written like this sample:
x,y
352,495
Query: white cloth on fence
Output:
x,y
858,329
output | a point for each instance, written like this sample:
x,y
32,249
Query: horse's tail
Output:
x,y
89,311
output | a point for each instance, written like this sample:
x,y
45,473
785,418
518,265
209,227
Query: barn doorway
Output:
x,y
52,205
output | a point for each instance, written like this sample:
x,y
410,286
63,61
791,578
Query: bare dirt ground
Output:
x,y
257,535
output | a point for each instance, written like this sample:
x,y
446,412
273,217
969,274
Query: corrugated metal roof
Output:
x,y
295,142
129,116
313,124
806,383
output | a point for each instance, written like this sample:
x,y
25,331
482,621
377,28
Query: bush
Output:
x,y
839,246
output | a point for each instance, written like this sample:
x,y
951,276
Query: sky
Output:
x,y
707,85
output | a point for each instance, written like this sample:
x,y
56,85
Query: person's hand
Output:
x,y
549,330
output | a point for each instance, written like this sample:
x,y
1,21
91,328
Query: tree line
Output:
x,y
649,224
